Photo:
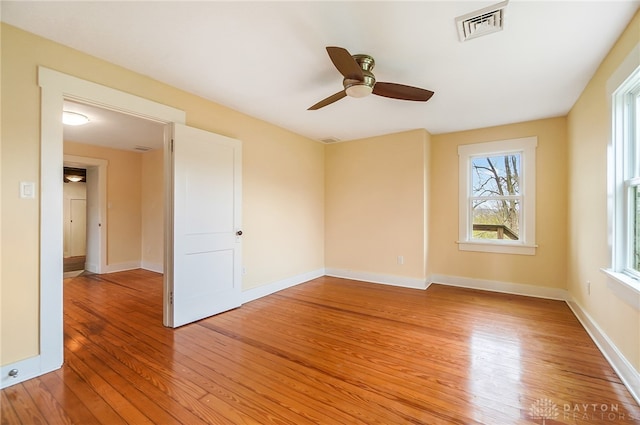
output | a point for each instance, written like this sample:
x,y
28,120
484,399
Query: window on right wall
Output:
x,y
624,180
497,196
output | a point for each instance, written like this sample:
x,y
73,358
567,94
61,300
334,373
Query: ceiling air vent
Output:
x,y
481,22
141,148
330,140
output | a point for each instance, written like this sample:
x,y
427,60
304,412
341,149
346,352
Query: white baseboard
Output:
x,y
270,288
121,267
27,369
627,373
393,280
152,267
504,287
91,267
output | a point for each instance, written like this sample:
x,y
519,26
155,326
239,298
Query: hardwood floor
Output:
x,y
329,351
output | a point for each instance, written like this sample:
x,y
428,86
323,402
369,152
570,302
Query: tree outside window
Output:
x,y
496,196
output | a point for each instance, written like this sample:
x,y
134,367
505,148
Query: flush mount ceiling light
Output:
x,y
74,175
74,118
359,90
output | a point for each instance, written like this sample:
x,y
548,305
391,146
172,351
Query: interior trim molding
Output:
x,y
270,288
385,279
152,267
27,369
500,286
121,267
55,87
627,373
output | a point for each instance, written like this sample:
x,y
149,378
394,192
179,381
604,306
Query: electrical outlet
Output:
x,y
588,287
400,259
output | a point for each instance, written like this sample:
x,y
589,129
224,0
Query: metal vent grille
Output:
x,y
330,140
142,148
481,22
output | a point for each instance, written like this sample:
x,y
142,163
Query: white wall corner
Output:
x,y
627,373
385,279
270,288
500,286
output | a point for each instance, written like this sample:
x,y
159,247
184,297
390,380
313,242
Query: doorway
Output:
x,y
55,88
84,209
132,149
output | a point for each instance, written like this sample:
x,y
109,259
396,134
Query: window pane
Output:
x,y
496,219
635,139
635,225
496,175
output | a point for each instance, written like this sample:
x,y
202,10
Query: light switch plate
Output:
x,y
27,190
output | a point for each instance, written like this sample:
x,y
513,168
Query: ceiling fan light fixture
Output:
x,y
359,90
359,81
74,118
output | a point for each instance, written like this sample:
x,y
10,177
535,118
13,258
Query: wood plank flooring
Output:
x,y
330,351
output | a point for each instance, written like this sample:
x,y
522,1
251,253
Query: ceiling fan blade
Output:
x,y
345,63
329,100
400,91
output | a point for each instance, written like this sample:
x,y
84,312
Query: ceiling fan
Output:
x,y
359,81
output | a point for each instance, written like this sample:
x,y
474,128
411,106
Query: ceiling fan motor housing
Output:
x,y
364,87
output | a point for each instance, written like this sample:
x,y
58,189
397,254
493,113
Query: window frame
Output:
x,y
624,174
526,147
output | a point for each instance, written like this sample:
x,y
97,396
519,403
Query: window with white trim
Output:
x,y
624,168
497,196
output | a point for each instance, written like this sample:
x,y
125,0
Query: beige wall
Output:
x,y
376,204
283,204
588,137
548,266
152,210
283,180
124,172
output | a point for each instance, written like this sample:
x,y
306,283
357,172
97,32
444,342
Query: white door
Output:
x,y
78,234
203,273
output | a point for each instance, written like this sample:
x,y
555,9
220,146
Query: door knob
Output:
x,y
239,233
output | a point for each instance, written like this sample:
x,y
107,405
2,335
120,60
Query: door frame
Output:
x,y
95,248
57,87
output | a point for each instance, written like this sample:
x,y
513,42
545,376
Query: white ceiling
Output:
x,y
268,59
113,129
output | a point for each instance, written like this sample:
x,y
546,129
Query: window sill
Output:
x,y
624,286
500,248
